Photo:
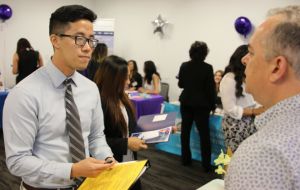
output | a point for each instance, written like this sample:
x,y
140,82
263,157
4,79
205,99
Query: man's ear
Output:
x,y
279,69
55,41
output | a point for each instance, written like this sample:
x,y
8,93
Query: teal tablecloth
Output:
x,y
216,136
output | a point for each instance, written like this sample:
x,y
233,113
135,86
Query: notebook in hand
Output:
x,y
121,176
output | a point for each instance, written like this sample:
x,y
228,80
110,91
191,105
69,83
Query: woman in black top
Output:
x,y
119,118
197,100
136,80
25,60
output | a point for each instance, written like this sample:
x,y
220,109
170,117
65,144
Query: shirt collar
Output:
x,y
57,77
286,106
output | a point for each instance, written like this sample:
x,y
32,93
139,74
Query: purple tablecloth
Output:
x,y
3,96
147,105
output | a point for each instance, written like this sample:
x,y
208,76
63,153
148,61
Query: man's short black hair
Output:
x,y
61,18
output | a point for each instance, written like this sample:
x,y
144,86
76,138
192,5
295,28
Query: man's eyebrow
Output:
x,y
79,33
82,34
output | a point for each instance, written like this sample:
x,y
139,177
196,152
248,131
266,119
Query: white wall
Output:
x,y
207,20
211,21
30,19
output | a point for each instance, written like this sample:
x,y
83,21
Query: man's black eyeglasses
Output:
x,y
81,40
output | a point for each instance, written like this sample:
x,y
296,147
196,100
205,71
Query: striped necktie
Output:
x,y
77,149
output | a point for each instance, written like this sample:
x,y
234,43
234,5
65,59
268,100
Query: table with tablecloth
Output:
x,y
216,136
3,95
146,104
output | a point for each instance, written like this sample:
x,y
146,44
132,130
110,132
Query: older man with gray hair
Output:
x,y
269,159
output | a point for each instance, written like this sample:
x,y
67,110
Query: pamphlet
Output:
x,y
155,128
156,136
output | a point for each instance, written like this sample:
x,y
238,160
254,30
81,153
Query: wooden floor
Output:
x,y
166,172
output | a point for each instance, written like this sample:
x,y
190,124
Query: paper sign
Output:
x,y
159,117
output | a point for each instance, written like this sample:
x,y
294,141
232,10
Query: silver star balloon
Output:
x,y
159,24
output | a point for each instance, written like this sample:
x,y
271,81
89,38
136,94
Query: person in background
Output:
x,y
135,78
26,60
151,79
239,106
119,114
269,159
218,77
197,100
98,55
53,119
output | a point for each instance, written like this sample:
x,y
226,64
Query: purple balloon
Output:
x,y
243,25
5,12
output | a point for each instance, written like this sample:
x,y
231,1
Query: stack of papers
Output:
x,y
155,128
160,135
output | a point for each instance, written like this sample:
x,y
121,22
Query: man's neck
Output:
x,y
60,64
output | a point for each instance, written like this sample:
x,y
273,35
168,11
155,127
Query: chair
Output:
x,y
164,91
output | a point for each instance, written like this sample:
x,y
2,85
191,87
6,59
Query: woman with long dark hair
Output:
x,y
135,77
119,115
25,60
197,100
239,106
218,77
151,79
98,55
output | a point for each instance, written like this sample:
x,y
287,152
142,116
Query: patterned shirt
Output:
x,y
270,158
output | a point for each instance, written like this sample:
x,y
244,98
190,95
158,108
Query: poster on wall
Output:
x,y
106,37
104,32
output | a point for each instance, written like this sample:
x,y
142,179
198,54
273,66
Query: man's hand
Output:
x,y
89,167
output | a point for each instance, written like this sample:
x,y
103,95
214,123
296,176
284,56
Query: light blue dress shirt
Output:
x,y
36,139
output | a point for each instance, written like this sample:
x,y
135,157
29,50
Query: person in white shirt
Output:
x,y
151,79
239,106
269,159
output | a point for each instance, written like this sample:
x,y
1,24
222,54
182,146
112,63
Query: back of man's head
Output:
x,y
284,39
61,18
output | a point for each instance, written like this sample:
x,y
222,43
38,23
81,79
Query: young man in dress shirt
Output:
x,y
269,159
35,132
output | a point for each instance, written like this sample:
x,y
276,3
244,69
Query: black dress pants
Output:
x,y
201,118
